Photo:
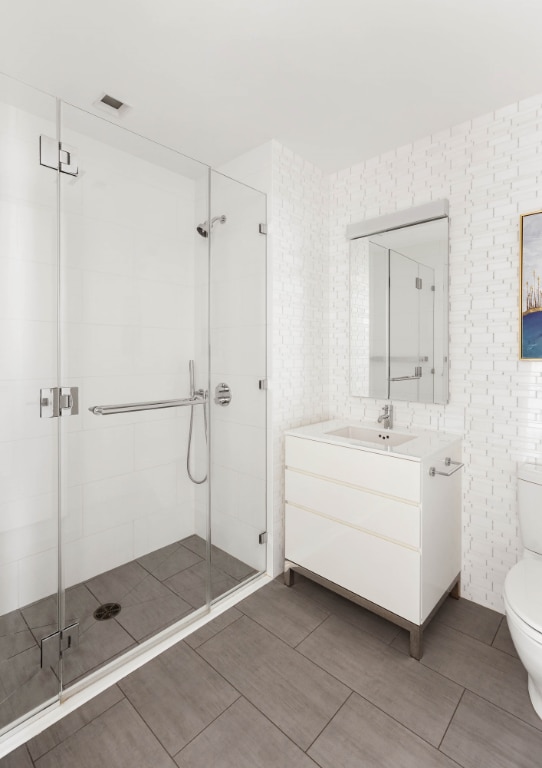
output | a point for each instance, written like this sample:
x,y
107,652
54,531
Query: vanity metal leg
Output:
x,y
416,643
289,576
456,590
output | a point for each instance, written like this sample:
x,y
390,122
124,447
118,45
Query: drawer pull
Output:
x,y
447,463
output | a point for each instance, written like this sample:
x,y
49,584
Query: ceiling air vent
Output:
x,y
111,105
109,101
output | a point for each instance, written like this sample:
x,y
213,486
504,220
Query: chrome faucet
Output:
x,y
386,417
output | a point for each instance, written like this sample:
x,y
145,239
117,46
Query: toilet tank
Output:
x,y
530,506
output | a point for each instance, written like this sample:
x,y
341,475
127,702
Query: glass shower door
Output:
x,y
28,437
237,383
133,562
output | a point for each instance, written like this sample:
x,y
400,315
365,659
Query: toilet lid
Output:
x,y
523,591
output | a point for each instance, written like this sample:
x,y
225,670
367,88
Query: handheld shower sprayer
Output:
x,y
191,374
193,393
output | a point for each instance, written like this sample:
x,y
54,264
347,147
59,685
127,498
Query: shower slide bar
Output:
x,y
153,405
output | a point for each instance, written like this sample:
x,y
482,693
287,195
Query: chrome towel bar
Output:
x,y
153,405
447,463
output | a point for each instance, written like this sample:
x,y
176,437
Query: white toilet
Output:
x,y
523,584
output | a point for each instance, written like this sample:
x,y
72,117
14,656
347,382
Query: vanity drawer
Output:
x,y
358,561
380,515
373,471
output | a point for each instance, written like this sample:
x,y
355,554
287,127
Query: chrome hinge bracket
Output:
x,y
262,229
263,384
55,155
59,401
55,646
419,283
262,538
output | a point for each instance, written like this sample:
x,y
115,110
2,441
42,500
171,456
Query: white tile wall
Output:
x,y
127,277
127,251
491,171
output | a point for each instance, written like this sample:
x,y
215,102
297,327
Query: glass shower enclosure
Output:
x,y
133,393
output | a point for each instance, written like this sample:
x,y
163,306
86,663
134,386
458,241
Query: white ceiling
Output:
x,y
337,81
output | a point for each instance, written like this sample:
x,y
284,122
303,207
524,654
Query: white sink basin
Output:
x,y
381,438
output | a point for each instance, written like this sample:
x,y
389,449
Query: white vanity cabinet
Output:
x,y
380,527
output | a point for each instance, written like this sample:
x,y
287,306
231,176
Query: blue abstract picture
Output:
x,y
531,288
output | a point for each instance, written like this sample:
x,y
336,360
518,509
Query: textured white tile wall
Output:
x,y
491,171
297,289
299,247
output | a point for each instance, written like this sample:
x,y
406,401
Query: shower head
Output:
x,y
203,230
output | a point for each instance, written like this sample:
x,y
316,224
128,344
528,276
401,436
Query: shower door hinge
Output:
x,y
263,384
53,647
419,283
262,538
59,401
55,155
262,229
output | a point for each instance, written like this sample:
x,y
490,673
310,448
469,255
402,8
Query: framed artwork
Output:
x,y
530,275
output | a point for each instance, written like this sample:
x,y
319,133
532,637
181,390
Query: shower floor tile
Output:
x,y
154,591
251,690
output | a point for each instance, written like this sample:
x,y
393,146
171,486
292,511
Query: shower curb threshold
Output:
x,y
97,682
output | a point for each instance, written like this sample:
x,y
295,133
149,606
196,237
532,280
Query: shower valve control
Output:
x,y
222,394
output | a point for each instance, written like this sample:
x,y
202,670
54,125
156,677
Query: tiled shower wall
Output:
x,y
127,260
490,169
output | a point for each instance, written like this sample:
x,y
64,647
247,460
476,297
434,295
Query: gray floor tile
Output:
x,y
60,731
219,559
42,617
470,618
11,645
190,583
483,736
19,758
212,628
290,690
489,672
230,565
145,619
178,695
34,688
113,586
101,642
116,739
11,623
346,610
503,640
284,612
362,735
242,738
195,544
418,698
18,671
149,607
168,561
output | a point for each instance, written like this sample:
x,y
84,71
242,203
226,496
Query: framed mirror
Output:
x,y
399,310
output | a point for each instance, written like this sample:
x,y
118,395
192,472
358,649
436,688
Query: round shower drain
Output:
x,y
107,611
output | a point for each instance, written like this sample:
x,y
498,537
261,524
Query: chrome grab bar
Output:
x,y
447,462
153,405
